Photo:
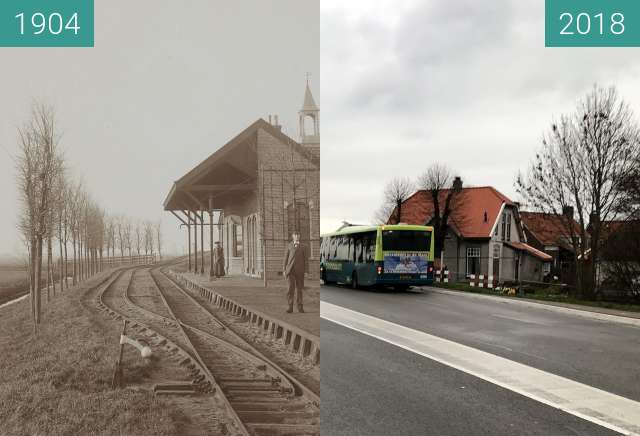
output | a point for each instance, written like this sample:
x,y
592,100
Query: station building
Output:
x,y
255,190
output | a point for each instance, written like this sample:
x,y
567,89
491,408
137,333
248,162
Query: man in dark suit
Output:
x,y
295,264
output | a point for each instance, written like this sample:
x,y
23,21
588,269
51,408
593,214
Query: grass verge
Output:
x,y
59,381
542,295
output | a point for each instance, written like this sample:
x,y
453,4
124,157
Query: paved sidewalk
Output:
x,y
271,301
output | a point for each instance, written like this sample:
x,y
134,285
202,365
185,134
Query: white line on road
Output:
x,y
513,318
595,405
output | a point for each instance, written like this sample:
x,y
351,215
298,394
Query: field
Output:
x,y
14,282
58,382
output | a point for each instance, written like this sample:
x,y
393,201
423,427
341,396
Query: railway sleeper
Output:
x,y
228,379
253,396
268,406
277,417
249,386
284,429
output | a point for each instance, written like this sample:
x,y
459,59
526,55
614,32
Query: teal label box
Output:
x,y
46,23
592,23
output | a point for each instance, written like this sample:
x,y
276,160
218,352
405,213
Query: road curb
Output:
x,y
584,313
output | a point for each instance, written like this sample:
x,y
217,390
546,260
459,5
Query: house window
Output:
x,y
473,260
506,226
546,267
236,236
496,251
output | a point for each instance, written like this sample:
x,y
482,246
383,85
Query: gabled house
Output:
x,y
484,234
550,233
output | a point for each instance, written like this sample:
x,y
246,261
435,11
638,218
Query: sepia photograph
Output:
x,y
159,251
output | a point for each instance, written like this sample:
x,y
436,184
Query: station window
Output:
x,y
236,235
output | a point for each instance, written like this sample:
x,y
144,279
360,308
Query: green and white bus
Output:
x,y
397,255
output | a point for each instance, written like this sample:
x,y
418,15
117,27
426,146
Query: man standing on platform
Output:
x,y
295,264
218,260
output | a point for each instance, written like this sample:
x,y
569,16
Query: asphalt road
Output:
x,y
371,387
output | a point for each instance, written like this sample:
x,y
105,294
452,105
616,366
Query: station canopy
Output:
x,y
227,175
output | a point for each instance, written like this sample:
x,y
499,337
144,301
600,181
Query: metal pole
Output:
x,y
117,374
189,236
195,240
202,242
211,266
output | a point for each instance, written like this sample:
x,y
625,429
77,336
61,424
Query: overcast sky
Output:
x,y
406,83
165,86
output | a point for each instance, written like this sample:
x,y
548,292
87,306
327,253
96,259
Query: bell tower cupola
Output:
x,y
309,121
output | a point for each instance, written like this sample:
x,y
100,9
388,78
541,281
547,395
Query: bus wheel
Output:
x,y
354,281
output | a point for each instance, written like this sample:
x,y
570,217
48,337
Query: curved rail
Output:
x,y
290,395
301,387
259,395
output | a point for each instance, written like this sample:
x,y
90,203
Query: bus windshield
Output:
x,y
406,240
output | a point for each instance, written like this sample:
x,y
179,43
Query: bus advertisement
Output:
x,y
397,255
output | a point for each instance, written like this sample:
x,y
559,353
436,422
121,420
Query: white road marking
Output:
x,y
513,318
595,405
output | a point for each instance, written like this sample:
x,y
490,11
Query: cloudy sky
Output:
x,y
406,83
166,85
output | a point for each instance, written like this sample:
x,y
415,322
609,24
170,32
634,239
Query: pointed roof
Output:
x,y
309,103
470,207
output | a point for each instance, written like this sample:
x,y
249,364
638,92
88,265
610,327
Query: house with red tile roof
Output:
x,y
484,234
551,233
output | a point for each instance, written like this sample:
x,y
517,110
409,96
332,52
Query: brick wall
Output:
x,y
286,177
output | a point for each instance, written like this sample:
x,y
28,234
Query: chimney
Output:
x,y
567,211
457,184
270,119
276,124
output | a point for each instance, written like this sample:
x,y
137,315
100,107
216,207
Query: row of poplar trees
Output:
x,y
67,234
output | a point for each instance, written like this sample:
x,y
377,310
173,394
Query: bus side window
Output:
x,y
370,247
343,248
359,250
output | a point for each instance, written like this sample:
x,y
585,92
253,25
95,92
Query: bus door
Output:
x,y
364,254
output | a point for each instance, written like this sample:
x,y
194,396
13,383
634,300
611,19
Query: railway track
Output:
x,y
262,398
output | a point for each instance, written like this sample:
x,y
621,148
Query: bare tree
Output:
x,y
121,234
159,238
127,234
396,191
583,162
39,165
438,181
148,237
139,230
382,214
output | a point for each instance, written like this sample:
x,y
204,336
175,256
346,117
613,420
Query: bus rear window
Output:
x,y
406,240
